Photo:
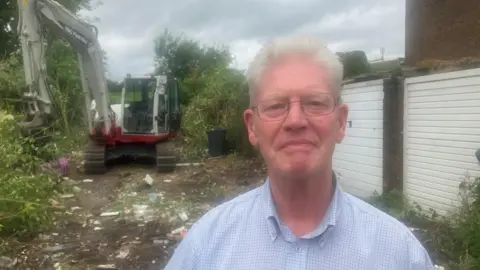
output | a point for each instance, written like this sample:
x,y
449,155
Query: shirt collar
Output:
x,y
330,219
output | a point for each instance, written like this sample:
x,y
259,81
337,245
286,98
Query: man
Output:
x,y
300,218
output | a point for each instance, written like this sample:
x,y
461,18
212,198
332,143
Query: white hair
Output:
x,y
309,46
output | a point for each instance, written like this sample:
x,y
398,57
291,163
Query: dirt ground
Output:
x,y
120,221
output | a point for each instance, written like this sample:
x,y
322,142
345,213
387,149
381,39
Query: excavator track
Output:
x,y
94,158
166,157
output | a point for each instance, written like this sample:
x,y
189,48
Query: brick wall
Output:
x,y
441,30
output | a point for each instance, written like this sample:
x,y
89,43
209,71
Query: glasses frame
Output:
x,y
336,101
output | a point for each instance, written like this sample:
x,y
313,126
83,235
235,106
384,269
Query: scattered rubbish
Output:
x,y
162,242
188,164
152,196
148,179
173,220
123,252
109,214
174,237
54,202
6,262
142,212
438,267
178,230
183,216
63,165
116,219
106,266
58,248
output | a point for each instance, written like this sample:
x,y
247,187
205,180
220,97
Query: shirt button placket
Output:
x,y
294,260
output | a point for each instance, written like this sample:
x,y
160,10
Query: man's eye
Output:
x,y
316,103
275,106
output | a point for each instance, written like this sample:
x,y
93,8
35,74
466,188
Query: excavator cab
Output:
x,y
149,105
141,126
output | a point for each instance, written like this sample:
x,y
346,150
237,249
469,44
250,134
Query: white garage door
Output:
x,y
358,160
441,135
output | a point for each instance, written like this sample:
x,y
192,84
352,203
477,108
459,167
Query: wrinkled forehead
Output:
x,y
294,75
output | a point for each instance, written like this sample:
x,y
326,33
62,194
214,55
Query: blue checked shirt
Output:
x,y
246,233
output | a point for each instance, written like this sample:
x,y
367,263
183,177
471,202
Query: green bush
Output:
x,y
219,104
454,240
24,190
12,82
464,240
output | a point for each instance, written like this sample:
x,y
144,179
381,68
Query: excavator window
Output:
x,y
139,94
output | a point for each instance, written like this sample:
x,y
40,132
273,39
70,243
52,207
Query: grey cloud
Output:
x,y
229,21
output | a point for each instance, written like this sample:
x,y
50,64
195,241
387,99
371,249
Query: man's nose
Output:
x,y
296,118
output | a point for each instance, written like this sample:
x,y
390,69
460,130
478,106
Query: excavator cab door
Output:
x,y
174,115
138,100
166,102
160,105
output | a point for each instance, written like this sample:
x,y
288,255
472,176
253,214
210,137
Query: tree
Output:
x,y
187,61
354,63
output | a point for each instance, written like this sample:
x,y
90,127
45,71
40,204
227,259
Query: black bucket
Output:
x,y
217,142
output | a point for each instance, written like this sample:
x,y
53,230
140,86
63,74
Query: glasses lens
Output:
x,y
317,105
272,109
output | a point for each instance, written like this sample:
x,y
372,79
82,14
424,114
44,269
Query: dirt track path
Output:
x,y
118,221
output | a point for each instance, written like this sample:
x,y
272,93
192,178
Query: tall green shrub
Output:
x,y
219,104
24,189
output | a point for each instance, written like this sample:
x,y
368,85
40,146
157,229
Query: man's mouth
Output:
x,y
297,144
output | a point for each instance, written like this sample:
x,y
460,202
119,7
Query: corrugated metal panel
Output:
x,y
358,160
442,133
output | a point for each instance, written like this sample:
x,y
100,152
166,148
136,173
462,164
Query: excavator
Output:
x,y
149,115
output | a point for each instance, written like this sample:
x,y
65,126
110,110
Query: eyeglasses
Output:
x,y
313,106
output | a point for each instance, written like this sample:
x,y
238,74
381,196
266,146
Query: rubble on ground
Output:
x,y
127,218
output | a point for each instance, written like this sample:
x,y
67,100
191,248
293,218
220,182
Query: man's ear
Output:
x,y
248,121
342,116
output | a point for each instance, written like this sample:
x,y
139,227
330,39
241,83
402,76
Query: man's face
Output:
x,y
300,141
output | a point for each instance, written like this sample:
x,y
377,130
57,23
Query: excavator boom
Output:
x,y
149,110
34,17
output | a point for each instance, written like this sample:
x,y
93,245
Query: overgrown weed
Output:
x,y
452,240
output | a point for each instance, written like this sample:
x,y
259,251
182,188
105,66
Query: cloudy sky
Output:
x,y
127,28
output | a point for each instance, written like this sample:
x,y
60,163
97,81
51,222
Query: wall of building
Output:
x,y
441,30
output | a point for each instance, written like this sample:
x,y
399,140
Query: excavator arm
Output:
x,y
34,17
